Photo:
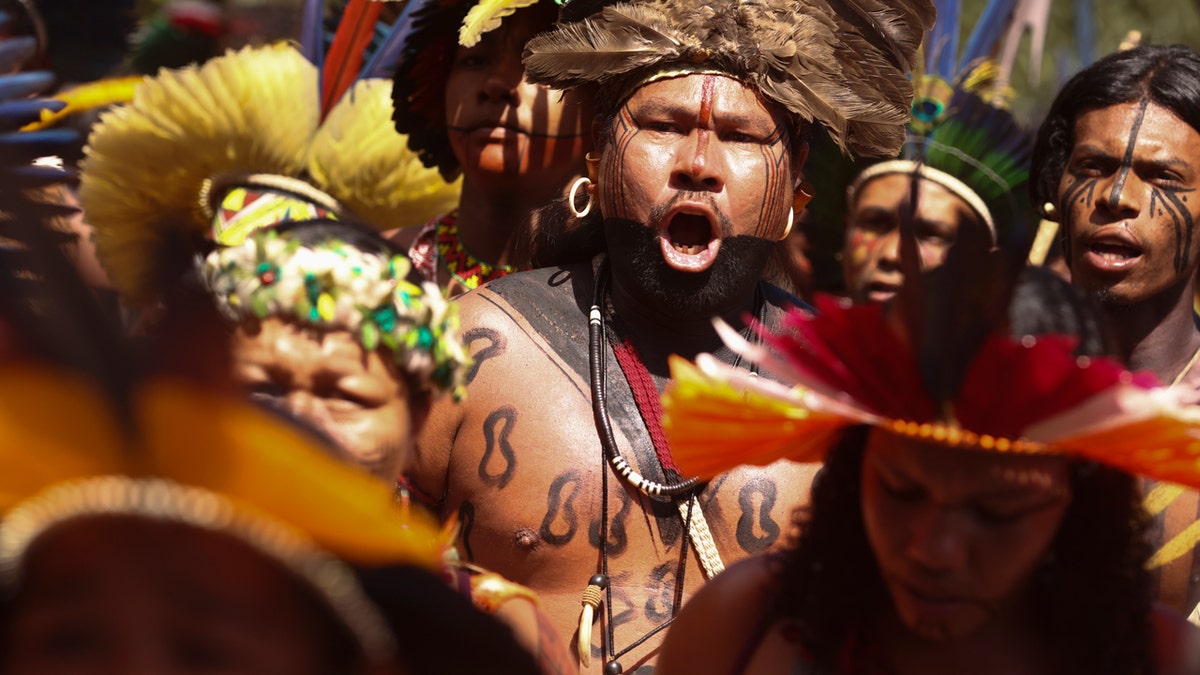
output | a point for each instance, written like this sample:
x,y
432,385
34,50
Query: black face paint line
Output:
x,y
1114,196
1169,201
1077,191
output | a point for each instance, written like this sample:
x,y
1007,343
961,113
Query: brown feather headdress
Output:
x,y
840,63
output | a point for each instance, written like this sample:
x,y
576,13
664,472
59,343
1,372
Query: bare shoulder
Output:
x,y
1176,642
720,621
507,327
403,237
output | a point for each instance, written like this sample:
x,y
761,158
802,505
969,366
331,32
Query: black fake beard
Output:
x,y
636,258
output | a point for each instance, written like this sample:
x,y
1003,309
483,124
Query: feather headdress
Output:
x,y
249,119
849,366
151,444
842,65
960,134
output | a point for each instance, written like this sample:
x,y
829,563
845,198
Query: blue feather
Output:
x,y
312,43
941,45
1085,32
383,62
988,30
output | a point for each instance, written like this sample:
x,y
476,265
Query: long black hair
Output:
x,y
1092,596
1168,75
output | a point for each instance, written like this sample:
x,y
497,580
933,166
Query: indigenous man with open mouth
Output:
x,y
1117,163
556,462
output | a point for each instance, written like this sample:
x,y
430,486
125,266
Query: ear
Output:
x,y
599,132
799,157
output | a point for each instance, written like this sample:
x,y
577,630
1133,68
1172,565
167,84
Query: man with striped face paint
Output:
x,y
1117,164
556,462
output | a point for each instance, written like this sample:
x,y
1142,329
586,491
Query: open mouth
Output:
x,y
881,291
1113,254
689,241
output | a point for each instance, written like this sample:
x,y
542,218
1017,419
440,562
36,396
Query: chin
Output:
x,y
636,256
943,627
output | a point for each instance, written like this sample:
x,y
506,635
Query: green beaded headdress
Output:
x,y
332,284
960,134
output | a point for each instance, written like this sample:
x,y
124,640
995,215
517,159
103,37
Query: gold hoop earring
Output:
x,y
583,182
791,218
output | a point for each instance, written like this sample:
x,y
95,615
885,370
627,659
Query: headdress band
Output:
x,y
167,501
909,167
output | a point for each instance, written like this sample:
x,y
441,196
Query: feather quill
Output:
x,y
312,44
988,30
941,45
383,62
354,34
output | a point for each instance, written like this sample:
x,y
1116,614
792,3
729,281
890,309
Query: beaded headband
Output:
x,y
910,168
335,284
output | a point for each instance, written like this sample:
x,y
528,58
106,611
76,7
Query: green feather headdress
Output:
x,y
959,127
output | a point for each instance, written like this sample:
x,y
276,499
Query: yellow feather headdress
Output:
x,y
206,460
254,111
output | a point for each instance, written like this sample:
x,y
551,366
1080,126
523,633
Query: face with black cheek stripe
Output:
x,y
689,166
1129,202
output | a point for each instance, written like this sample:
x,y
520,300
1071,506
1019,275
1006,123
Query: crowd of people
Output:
x,y
481,336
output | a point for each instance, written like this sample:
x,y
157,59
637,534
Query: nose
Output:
x,y
936,540
503,82
311,409
1123,196
697,167
889,251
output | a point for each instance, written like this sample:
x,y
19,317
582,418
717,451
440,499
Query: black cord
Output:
x,y
599,381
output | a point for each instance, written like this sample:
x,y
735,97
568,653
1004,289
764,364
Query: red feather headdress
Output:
x,y
850,365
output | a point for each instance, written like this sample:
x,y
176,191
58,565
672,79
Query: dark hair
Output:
x,y
438,630
1092,598
1168,75
419,85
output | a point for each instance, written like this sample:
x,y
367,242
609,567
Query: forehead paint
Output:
x,y
706,97
703,122
1114,197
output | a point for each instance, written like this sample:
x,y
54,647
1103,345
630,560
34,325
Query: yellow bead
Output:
x,y
325,307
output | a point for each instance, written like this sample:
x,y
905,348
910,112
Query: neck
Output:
x,y
660,332
494,223
1159,334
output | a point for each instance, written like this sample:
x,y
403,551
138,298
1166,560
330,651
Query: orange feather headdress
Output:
x,y
851,366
